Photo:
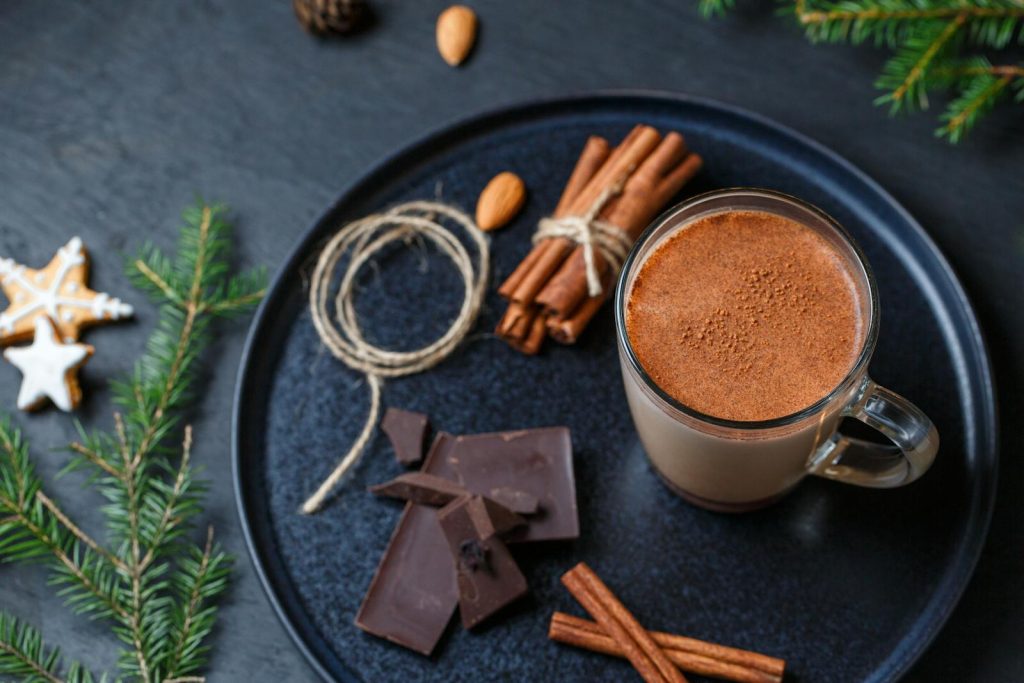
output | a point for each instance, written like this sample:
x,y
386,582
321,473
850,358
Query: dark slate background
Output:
x,y
114,115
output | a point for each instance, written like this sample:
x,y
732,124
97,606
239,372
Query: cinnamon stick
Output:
x,y
517,321
531,342
553,276
568,330
637,146
689,654
660,177
616,621
595,153
515,278
626,157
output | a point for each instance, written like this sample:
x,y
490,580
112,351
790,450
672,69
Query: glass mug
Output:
x,y
733,466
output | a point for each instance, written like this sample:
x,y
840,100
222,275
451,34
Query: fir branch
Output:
x,y
957,73
178,504
904,75
78,533
23,653
158,587
31,532
94,458
929,37
868,11
159,282
715,8
978,96
200,580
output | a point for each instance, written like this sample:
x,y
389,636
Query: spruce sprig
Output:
x,y
155,585
929,39
23,654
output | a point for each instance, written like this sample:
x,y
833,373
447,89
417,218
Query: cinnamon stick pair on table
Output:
x,y
657,657
548,292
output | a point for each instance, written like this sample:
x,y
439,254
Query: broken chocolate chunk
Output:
x,y
501,519
427,489
488,577
407,431
535,461
415,589
413,593
517,501
420,487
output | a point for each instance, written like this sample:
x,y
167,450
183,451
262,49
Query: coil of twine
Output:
x,y
341,333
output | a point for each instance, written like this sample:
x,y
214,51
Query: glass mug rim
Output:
x,y
773,196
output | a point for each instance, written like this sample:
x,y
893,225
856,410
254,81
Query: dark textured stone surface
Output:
x,y
113,115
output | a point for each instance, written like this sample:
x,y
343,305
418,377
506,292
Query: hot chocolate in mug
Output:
x,y
736,464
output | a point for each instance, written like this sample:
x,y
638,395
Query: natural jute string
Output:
x,y
588,232
341,333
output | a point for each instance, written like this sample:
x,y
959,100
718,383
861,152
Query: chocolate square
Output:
x,y
407,431
535,461
413,592
488,577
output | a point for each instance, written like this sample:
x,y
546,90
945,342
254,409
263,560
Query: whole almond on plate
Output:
x,y
456,33
500,201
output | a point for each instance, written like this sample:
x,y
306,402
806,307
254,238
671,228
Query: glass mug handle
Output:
x,y
864,463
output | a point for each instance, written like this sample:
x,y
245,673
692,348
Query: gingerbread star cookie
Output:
x,y
58,291
50,369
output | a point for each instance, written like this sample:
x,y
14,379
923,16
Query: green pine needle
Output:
x,y
23,654
980,93
715,8
905,75
928,38
154,584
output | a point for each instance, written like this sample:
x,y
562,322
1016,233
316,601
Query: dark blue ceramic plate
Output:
x,y
846,584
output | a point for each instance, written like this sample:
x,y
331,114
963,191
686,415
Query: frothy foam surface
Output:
x,y
746,315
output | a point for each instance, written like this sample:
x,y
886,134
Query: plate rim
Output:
x,y
949,591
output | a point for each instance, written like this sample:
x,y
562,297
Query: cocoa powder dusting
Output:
x,y
746,315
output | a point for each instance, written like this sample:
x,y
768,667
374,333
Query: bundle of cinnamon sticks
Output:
x,y
657,657
548,293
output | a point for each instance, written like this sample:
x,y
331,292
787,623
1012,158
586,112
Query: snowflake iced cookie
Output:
x,y
59,291
50,369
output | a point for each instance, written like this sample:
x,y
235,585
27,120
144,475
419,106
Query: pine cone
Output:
x,y
326,17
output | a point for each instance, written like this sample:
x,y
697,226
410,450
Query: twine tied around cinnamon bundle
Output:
x,y
341,333
587,231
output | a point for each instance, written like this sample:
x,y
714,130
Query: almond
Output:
x,y
456,33
500,201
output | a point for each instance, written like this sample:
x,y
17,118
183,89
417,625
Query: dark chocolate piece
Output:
x,y
535,461
407,431
413,593
501,519
520,502
487,576
428,489
420,487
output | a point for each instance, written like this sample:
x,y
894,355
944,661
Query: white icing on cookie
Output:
x,y
46,366
60,297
